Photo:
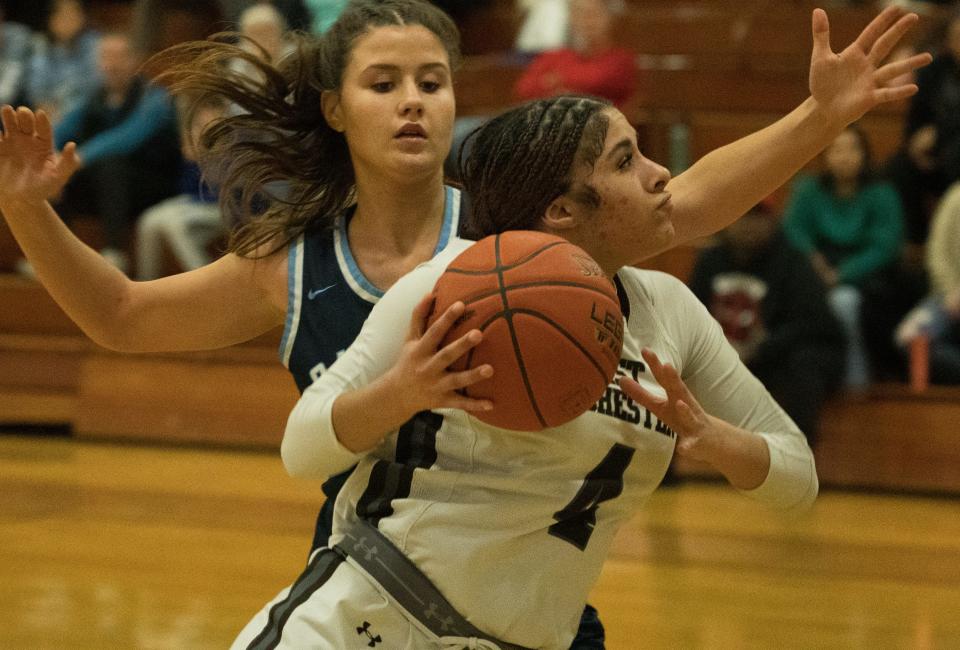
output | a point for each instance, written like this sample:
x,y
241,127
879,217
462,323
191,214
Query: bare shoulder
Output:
x,y
268,268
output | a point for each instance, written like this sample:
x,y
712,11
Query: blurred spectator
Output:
x,y
63,67
938,316
544,27
14,58
266,27
190,221
929,160
158,24
850,226
590,65
127,143
296,13
186,223
773,310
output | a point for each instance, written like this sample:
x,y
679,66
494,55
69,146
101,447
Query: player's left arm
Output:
x,y
727,182
721,413
394,369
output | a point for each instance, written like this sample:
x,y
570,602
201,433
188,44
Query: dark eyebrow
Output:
x,y
389,67
626,143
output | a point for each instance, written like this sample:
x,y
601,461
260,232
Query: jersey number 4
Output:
x,y
575,523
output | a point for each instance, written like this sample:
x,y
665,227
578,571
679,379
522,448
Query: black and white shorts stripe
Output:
x,y
318,571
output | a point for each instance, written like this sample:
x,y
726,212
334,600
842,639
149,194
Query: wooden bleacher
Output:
x,y
50,373
721,71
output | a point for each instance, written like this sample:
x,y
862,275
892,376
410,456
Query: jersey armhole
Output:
x,y
294,299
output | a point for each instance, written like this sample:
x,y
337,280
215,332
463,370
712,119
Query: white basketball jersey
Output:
x,y
513,527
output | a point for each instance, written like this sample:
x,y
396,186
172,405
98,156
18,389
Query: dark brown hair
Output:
x,y
279,135
515,165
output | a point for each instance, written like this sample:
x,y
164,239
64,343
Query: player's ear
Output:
x,y
561,214
330,104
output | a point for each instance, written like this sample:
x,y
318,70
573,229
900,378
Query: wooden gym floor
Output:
x,y
120,546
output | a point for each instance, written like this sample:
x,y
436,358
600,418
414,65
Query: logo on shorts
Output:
x,y
374,639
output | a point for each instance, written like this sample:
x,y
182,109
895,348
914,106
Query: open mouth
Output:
x,y
411,131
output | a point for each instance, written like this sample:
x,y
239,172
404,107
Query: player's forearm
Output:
x,y
727,182
334,424
89,289
740,455
363,417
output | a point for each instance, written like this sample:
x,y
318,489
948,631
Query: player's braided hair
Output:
x,y
519,162
279,132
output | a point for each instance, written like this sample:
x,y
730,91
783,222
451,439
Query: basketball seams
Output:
x,y
527,285
508,267
539,315
525,299
513,334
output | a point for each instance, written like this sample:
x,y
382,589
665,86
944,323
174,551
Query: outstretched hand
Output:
x,y
31,170
422,372
848,84
679,410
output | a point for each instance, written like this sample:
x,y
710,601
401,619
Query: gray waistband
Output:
x,y
406,583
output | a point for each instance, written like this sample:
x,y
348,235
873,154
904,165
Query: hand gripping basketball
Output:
x,y
428,380
551,323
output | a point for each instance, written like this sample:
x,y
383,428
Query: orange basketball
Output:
x,y
551,322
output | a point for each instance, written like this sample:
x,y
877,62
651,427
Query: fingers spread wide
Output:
x,y
877,27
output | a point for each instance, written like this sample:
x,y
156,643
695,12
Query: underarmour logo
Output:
x,y
313,293
361,546
365,629
445,623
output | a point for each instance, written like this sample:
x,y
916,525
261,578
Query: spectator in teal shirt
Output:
x,y
850,225
324,13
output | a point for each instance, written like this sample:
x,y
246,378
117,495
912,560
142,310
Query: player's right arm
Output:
x,y
388,375
721,413
229,301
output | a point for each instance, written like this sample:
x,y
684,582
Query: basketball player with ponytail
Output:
x,y
357,126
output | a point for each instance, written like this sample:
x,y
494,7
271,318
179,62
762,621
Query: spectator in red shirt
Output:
x,y
590,65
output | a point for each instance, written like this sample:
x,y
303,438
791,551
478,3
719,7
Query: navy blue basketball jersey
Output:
x,y
328,296
328,300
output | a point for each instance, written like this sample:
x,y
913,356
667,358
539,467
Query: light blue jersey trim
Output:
x,y
351,270
294,299
343,250
451,218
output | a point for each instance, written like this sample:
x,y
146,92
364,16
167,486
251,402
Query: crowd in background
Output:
x,y
831,291
882,241
139,177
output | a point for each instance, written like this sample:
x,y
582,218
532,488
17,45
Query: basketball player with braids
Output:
x,y
357,124
454,533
